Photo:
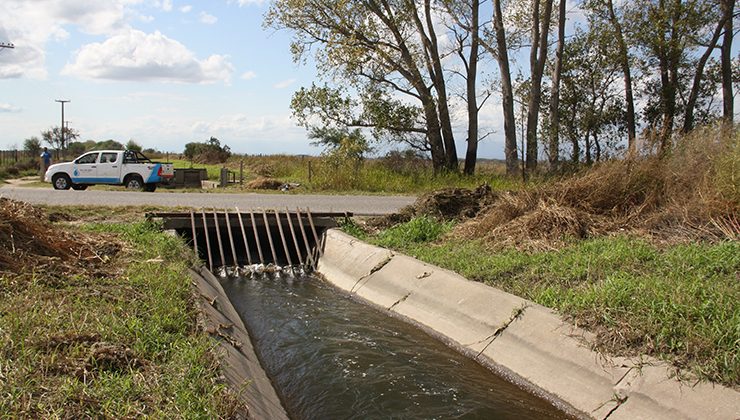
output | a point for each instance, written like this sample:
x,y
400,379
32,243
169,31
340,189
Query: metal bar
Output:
x,y
195,236
282,238
269,237
231,238
208,241
309,257
244,236
257,238
315,236
218,236
295,241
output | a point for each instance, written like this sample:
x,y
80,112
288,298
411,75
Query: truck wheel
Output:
x,y
150,187
134,182
79,187
61,182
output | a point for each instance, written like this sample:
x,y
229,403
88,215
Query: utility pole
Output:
x,y
61,127
6,45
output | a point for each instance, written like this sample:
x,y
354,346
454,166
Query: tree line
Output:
x,y
401,69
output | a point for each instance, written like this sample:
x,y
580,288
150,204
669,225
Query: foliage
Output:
x,y
133,145
416,231
210,151
53,137
32,145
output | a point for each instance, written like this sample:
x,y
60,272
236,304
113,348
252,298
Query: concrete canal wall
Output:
x,y
521,340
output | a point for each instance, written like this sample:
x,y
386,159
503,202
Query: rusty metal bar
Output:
x,y
315,236
195,236
309,257
208,241
244,236
257,238
231,238
295,241
218,237
282,238
269,237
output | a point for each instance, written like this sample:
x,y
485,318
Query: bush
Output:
x,y
209,152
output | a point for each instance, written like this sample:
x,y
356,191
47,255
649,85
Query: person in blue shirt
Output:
x,y
45,162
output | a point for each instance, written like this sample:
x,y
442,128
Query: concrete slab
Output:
x,y
349,261
467,312
543,350
239,363
651,393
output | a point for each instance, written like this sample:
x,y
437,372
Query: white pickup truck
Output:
x,y
112,167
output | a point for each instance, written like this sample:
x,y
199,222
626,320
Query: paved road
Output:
x,y
360,205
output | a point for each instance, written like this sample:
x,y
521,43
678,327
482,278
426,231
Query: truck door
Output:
x,y
109,168
86,169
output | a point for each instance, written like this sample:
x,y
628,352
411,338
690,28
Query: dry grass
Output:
x,y
29,241
692,194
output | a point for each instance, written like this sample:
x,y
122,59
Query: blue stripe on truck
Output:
x,y
78,180
153,177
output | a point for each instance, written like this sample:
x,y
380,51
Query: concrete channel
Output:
x,y
519,340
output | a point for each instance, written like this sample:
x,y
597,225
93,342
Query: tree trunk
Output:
x,y
625,64
537,58
507,91
587,146
554,151
728,112
438,79
471,154
688,120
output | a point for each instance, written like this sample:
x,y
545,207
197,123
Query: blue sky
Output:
x,y
163,73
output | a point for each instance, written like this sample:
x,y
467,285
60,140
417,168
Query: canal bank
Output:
x,y
520,340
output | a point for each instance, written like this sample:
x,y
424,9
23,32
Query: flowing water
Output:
x,y
331,357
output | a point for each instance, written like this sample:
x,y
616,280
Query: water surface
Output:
x,y
333,358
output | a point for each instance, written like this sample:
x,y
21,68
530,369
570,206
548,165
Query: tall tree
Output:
x,y
537,57
688,121
624,62
381,50
554,149
499,48
466,15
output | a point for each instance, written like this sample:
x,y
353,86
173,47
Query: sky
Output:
x,y
165,73
161,72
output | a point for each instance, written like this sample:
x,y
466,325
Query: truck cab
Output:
x,y
113,167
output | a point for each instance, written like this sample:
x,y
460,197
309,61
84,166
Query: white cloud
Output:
x,y
207,19
8,108
284,84
243,3
31,24
146,18
165,5
136,56
186,9
249,75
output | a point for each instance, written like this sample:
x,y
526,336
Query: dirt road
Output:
x,y
360,205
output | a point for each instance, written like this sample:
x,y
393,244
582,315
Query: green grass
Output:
x,y
678,303
139,305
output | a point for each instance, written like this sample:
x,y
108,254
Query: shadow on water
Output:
x,y
331,357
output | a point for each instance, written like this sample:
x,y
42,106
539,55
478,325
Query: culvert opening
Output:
x,y
229,241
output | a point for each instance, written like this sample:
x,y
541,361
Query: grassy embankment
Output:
x,y
644,253
99,321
